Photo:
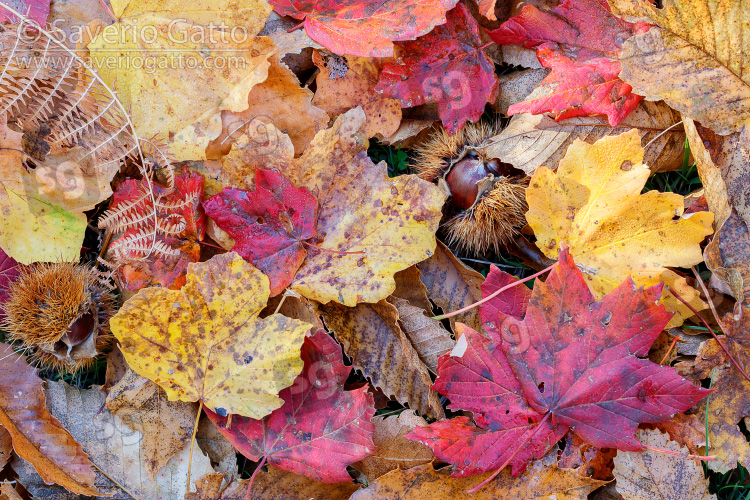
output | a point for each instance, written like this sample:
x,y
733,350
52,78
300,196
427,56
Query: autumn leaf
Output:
x,y
37,436
6,447
178,98
653,474
43,208
727,258
581,42
336,93
320,429
541,481
593,205
426,334
373,338
447,66
9,271
530,141
570,363
133,208
205,341
269,225
690,60
36,10
365,28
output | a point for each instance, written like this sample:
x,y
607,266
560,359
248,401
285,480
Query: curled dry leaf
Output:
x,y
653,474
566,363
697,60
392,450
38,436
365,28
593,205
374,340
447,66
542,481
452,285
730,403
6,447
530,141
206,342
175,102
727,258
320,429
336,94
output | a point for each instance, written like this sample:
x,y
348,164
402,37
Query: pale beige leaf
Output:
x,y
648,474
427,335
533,140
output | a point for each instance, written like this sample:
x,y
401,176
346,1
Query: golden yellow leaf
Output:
x,y
697,60
41,210
206,342
176,70
593,205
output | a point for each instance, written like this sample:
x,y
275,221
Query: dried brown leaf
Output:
x,y
427,335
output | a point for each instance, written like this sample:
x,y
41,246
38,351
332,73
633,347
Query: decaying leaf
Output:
x,y
206,342
447,66
374,340
365,28
593,205
336,94
696,60
565,363
320,429
116,450
649,474
38,436
581,41
178,99
542,481
6,447
392,450
165,425
533,140
727,258
452,285
427,335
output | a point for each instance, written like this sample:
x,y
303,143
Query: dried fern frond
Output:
x,y
139,245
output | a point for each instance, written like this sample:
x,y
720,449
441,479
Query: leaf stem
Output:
x,y
710,302
252,478
492,295
331,251
671,346
192,442
706,458
713,334
515,452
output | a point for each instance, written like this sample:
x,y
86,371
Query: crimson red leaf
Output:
x,y
581,42
36,10
9,271
320,429
447,66
180,205
570,364
268,224
365,28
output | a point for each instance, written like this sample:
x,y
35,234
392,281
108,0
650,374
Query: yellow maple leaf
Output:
x,y
176,64
42,210
206,342
593,205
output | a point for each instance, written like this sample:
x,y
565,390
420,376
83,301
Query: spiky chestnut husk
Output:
x,y
487,205
59,313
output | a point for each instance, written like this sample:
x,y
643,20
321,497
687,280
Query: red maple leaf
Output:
x,y
268,224
448,66
320,429
9,271
36,10
180,205
571,364
365,28
581,42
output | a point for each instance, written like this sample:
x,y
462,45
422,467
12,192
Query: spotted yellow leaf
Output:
x,y
593,204
176,64
206,342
